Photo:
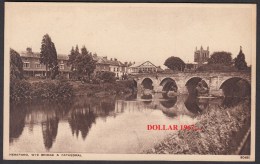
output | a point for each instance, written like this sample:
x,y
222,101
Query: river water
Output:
x,y
102,125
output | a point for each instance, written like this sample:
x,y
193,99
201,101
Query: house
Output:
x,y
191,66
112,65
143,67
101,63
117,67
32,66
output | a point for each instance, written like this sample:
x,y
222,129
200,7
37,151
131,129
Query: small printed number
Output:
x,y
244,157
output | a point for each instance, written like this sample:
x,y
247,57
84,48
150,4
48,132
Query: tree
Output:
x,y
48,56
16,65
72,58
220,58
106,76
174,63
55,64
84,63
240,62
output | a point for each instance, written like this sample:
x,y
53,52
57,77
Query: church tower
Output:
x,y
201,56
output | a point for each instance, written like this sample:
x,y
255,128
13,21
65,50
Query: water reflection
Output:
x,y
231,101
169,103
49,131
195,105
147,97
100,122
131,97
17,121
81,121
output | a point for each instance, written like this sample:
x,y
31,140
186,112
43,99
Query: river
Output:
x,y
102,125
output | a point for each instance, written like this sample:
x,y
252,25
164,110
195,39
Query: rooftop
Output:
x,y
30,54
138,64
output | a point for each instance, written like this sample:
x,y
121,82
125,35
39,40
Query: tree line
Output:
x,y
82,64
217,58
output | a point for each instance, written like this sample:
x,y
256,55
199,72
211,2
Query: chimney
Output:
x,y
29,49
111,59
126,63
115,59
105,57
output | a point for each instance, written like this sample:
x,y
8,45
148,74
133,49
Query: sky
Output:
x,y
133,32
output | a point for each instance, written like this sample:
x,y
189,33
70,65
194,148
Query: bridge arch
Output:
x,y
236,87
134,83
192,83
147,83
168,84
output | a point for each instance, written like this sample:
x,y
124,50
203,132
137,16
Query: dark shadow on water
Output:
x,y
17,121
49,131
231,101
168,107
147,97
82,114
81,120
195,105
131,97
169,103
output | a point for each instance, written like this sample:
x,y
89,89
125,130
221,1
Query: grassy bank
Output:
x,y
221,132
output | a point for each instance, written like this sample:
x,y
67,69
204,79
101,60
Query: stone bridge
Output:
x,y
214,80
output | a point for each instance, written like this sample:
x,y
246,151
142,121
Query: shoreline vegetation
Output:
x,y
217,136
46,89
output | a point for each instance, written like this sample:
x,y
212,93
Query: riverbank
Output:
x,y
221,131
104,89
23,90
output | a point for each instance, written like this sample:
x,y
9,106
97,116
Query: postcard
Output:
x,y
129,81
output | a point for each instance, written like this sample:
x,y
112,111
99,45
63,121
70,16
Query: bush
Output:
x,y
61,77
106,76
23,90
20,89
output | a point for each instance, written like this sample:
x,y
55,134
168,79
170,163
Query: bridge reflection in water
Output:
x,y
88,124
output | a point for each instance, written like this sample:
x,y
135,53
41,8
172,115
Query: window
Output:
x,y
26,65
61,66
117,69
116,74
114,69
37,65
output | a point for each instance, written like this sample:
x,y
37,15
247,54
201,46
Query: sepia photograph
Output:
x,y
129,81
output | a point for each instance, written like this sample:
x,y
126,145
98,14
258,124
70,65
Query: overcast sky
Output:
x,y
132,32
